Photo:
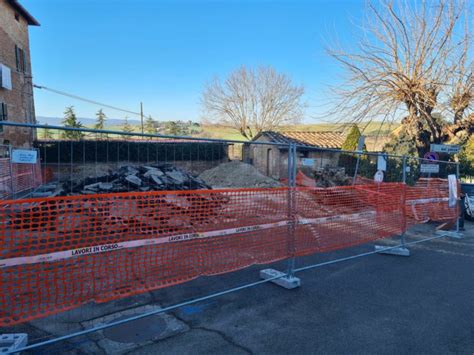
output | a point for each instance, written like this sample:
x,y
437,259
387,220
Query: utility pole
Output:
x,y
141,115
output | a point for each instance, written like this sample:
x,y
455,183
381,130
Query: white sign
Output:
x,y
24,156
382,162
378,177
453,190
429,168
307,162
445,148
360,144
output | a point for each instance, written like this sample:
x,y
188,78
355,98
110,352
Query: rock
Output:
x,y
127,178
36,194
156,180
92,186
153,172
47,187
134,180
127,170
106,186
177,176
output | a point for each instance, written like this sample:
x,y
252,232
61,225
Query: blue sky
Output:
x,y
163,52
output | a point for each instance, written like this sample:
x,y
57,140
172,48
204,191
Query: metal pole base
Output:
x,y
451,234
11,342
400,251
284,281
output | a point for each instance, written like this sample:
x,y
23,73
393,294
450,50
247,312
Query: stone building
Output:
x,y
16,85
272,160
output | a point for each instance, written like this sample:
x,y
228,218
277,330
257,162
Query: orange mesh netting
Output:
x,y
428,200
58,253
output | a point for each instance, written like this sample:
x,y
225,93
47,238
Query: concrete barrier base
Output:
x,y
11,342
451,234
400,251
285,281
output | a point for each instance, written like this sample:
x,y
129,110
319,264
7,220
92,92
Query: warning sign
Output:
x,y
431,156
429,168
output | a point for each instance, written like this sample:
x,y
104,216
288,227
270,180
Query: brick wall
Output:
x,y
20,99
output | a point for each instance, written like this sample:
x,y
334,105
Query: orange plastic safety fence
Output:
x,y
339,217
428,200
58,253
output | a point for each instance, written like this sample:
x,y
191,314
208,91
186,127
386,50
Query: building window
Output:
x,y
20,59
17,17
3,114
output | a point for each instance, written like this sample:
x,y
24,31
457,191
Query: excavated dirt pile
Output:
x,y
236,174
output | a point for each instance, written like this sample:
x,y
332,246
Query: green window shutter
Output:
x,y
17,58
24,61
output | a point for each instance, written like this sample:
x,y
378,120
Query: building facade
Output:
x,y
16,85
272,160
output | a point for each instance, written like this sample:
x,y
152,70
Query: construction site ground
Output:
x,y
375,304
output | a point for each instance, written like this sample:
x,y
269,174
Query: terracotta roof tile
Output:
x,y
324,139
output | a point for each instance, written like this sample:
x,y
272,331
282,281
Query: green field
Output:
x,y
224,132
370,129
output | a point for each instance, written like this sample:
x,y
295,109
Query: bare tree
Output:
x,y
411,59
253,101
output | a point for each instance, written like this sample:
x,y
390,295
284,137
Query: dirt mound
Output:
x,y
236,174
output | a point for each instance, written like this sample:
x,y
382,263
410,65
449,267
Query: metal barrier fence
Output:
x,y
125,217
17,178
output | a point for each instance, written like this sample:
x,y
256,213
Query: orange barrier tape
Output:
x,y
58,253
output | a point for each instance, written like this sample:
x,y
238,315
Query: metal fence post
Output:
x,y
288,280
458,178
400,250
404,180
291,208
404,167
12,183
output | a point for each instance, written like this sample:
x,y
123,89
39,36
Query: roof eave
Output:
x,y
23,12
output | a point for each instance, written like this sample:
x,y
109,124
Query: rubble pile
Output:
x,y
237,174
127,179
331,176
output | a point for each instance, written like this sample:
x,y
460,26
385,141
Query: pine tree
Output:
x,y
172,128
100,122
352,140
47,134
150,125
126,127
70,120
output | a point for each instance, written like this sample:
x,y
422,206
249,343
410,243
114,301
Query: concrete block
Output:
x,y
451,234
284,281
11,342
400,251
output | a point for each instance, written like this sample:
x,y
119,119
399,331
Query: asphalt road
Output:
x,y
376,304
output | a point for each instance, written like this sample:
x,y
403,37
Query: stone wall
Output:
x,y
20,99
